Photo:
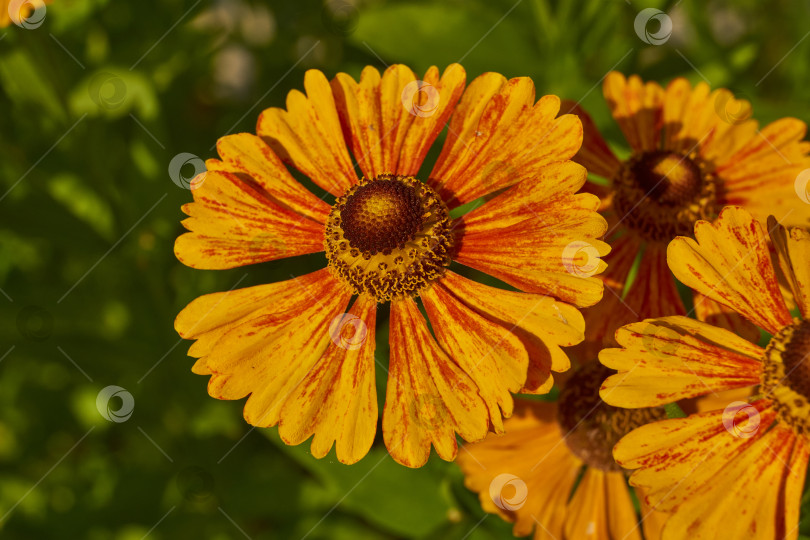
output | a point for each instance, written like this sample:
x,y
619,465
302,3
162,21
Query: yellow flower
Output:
x,y
693,152
306,363
740,469
529,475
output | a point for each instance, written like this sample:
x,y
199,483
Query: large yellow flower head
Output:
x,y
693,151
301,352
739,469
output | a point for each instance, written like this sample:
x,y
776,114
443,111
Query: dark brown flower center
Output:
x,y
786,377
669,178
380,216
660,194
795,357
388,236
592,427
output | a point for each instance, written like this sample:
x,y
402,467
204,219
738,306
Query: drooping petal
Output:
x,y
603,319
653,292
540,236
636,107
428,398
793,250
337,400
248,154
308,135
391,121
493,357
542,324
602,508
595,154
513,140
672,358
233,224
264,340
526,474
730,263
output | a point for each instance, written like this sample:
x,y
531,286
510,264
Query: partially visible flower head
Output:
x,y
740,467
693,151
545,448
302,351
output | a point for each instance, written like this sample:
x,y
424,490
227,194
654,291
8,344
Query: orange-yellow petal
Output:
x,y
233,224
652,521
793,251
542,324
679,458
540,236
730,263
595,155
337,400
490,354
513,140
713,124
308,135
672,358
636,107
761,176
654,292
391,121
602,508
603,319
264,340
687,462
247,154
428,398
716,314
526,474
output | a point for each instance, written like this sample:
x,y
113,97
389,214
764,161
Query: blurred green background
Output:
x,y
94,104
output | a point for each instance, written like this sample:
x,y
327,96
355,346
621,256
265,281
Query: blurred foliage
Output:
x,y
98,100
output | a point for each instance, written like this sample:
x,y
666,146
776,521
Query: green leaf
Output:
x,y
674,411
404,501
